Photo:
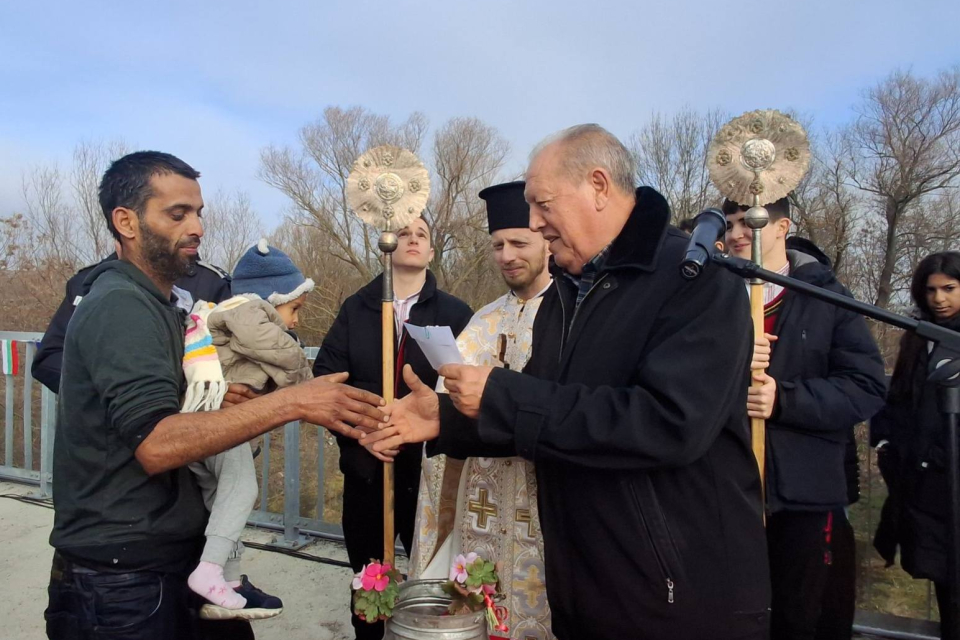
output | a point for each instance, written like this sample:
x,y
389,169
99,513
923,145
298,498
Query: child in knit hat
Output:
x,y
246,340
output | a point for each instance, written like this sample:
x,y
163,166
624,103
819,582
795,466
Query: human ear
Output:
x,y
600,183
126,222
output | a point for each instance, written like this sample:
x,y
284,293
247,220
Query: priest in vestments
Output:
x,y
489,505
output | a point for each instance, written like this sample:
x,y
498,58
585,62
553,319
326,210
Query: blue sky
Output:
x,y
214,82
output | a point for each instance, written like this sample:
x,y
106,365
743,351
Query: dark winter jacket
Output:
x,y
914,463
829,377
122,375
207,282
633,407
851,459
354,345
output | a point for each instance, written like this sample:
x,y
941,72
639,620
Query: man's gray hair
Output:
x,y
589,146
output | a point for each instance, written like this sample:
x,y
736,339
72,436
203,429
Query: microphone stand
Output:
x,y
944,371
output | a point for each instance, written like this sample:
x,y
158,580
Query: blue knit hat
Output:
x,y
269,273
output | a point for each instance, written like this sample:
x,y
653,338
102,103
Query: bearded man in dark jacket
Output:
x,y
632,407
824,376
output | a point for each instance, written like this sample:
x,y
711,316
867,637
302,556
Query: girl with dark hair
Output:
x,y
908,434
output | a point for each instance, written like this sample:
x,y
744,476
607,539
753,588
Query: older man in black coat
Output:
x,y
633,409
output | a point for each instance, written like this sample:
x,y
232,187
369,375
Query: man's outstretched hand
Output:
x,y
415,418
328,402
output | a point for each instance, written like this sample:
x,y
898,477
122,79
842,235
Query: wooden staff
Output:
x,y
388,244
387,188
756,218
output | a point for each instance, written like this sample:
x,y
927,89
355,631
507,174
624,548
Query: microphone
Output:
x,y
709,225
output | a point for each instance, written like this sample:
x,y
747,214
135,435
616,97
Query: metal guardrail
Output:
x,y
31,462
28,471
293,523
19,464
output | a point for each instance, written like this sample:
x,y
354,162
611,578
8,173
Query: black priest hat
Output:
x,y
506,208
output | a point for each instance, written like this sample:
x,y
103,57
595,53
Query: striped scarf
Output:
x,y
205,383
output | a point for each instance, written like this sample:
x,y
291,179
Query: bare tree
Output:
x,y
48,215
671,155
314,177
39,253
467,156
230,227
905,147
90,161
826,209
313,252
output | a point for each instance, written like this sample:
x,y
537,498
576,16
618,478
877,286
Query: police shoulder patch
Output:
x,y
212,267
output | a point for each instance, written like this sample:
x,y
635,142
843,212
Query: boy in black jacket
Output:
x,y
354,345
824,375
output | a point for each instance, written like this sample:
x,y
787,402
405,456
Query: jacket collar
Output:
x,y
806,267
130,272
372,292
638,244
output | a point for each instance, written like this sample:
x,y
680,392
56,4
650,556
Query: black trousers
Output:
x,y
363,523
141,605
800,558
840,592
947,614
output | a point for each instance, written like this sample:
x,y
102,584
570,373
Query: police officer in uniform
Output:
x,y
206,282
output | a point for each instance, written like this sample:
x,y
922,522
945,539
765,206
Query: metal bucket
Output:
x,y
420,615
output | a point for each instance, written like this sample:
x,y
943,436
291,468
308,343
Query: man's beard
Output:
x,y
166,263
526,277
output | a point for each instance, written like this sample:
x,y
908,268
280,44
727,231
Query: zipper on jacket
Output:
x,y
576,310
653,545
563,316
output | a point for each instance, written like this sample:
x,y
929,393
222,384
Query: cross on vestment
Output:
x,y
523,517
483,508
531,586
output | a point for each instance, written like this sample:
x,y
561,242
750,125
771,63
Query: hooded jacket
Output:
x,y
829,377
253,345
122,374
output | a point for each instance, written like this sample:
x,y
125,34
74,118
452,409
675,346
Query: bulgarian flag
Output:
x,y
11,361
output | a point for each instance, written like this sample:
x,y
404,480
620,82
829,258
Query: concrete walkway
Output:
x,y
315,596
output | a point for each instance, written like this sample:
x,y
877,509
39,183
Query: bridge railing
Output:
x,y
301,494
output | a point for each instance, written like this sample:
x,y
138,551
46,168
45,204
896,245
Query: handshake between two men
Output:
x,y
415,418
364,416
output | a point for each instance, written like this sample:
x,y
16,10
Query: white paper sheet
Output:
x,y
437,343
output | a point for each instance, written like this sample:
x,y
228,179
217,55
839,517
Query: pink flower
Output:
x,y
458,571
374,577
489,589
358,581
